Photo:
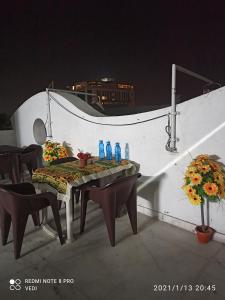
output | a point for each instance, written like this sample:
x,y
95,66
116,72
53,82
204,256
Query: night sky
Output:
x,y
135,41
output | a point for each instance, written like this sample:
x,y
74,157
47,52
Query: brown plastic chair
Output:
x,y
121,191
17,202
9,164
31,156
76,192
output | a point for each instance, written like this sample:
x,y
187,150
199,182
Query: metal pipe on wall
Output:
x,y
172,141
49,115
173,110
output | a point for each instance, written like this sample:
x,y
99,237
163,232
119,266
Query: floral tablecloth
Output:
x,y
63,177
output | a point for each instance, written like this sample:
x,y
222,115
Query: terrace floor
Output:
x,y
160,254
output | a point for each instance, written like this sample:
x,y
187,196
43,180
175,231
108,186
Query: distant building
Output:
x,y
107,92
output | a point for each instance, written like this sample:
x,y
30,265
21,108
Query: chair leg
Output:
x,y
83,211
131,205
55,211
5,223
36,219
109,211
19,225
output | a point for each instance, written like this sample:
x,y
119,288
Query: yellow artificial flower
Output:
x,y
46,157
188,189
53,151
218,177
204,174
211,189
196,164
190,171
214,166
195,199
221,192
202,157
196,179
204,169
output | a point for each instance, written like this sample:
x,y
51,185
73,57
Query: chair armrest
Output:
x,y
92,183
24,188
92,186
34,197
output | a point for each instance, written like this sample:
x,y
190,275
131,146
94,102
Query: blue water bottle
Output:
x,y
127,151
101,150
117,153
108,151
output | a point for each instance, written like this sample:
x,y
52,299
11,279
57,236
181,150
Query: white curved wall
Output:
x,y
26,114
162,194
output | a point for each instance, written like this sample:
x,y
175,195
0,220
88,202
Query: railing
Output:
x,y
171,127
102,123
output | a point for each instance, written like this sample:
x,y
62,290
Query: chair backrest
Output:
x,y
9,163
63,160
5,163
32,148
123,180
10,201
122,187
33,155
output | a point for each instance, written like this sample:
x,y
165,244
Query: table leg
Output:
x,y
69,220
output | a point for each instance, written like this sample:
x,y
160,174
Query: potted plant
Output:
x,y
53,151
204,181
83,158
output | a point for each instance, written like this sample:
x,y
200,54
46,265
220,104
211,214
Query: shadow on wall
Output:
x,y
150,192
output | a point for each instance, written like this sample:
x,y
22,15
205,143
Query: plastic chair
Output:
x,y
121,191
9,164
31,156
17,202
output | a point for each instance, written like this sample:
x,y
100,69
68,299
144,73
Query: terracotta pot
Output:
x,y
204,236
82,162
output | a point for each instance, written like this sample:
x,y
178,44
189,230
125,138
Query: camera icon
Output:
x,y
15,284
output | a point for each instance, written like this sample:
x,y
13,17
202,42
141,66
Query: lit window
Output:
x,y
125,86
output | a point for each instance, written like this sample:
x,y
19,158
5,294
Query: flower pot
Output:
x,y
204,236
82,163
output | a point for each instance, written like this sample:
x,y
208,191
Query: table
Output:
x,y
62,178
